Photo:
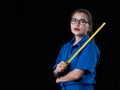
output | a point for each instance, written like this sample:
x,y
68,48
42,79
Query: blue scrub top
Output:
x,y
87,60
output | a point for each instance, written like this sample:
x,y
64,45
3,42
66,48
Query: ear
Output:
x,y
89,30
90,27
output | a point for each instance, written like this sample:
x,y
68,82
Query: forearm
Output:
x,y
71,76
65,78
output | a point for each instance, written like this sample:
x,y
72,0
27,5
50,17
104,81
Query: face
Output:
x,y
79,24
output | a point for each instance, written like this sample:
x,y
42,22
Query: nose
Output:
x,y
78,22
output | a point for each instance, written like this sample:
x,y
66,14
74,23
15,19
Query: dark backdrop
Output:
x,y
31,33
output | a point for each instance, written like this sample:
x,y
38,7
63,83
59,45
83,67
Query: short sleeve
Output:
x,y
88,58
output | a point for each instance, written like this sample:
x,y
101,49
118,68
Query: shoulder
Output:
x,y
65,45
94,46
68,43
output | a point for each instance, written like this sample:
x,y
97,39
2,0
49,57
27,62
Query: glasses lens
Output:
x,y
74,21
81,21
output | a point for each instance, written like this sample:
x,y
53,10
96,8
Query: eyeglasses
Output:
x,y
80,21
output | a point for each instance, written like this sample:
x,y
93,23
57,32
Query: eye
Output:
x,y
83,21
74,20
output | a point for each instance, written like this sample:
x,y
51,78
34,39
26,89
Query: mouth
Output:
x,y
76,29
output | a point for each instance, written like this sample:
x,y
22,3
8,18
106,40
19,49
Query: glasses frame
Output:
x,y
79,21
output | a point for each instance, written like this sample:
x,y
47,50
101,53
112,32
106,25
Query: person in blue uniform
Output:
x,y
81,71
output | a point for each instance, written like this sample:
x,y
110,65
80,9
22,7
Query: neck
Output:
x,y
77,39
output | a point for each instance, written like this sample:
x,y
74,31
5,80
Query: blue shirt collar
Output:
x,y
81,41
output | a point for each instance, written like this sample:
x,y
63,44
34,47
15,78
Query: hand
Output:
x,y
58,80
61,66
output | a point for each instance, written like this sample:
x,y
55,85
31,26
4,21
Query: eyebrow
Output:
x,y
82,19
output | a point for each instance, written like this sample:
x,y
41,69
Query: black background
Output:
x,y
31,33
